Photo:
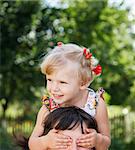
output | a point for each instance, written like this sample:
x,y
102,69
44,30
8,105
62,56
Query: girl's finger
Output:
x,y
54,131
61,141
85,145
84,141
62,147
86,136
90,130
63,144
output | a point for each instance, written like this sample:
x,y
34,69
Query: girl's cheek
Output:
x,y
48,86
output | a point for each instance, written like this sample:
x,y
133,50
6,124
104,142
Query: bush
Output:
x,y
117,144
6,141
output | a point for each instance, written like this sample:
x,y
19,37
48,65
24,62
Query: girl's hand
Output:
x,y
55,140
88,140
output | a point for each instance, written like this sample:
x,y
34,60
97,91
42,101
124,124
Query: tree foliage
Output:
x,y
19,73
29,28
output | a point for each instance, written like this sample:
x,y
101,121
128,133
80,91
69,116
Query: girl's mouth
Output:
x,y
56,96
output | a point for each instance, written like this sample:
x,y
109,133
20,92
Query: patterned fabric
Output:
x,y
49,103
90,106
92,101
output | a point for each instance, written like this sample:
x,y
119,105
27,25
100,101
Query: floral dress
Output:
x,y
90,106
92,101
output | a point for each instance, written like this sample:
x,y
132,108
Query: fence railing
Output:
x,y
122,127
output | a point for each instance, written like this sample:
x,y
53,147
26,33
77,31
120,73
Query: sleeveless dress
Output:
x,y
90,106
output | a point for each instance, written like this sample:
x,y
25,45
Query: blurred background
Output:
x,y
28,28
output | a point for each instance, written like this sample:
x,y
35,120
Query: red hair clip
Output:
x,y
86,53
59,44
97,70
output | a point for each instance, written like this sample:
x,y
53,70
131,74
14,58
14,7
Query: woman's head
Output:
x,y
64,54
70,121
68,118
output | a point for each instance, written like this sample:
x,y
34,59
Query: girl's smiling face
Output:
x,y
64,85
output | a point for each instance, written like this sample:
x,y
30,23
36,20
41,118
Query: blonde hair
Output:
x,y
59,57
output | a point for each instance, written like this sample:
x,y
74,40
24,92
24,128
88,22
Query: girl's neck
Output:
x,y
79,101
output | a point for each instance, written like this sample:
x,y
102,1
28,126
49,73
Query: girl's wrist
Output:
x,y
44,142
100,139
103,142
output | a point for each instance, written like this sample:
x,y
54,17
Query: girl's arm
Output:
x,y
103,137
35,142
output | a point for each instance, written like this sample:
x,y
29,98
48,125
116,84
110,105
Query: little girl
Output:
x,y
69,70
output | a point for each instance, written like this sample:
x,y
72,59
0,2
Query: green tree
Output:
x,y
28,28
107,29
19,73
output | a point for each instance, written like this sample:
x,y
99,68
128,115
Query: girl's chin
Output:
x,y
58,101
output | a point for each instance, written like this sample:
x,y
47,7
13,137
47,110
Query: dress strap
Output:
x,y
100,93
93,100
49,103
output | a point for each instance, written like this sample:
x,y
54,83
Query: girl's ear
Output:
x,y
85,84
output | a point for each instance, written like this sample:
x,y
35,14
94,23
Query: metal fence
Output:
x,y
122,126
